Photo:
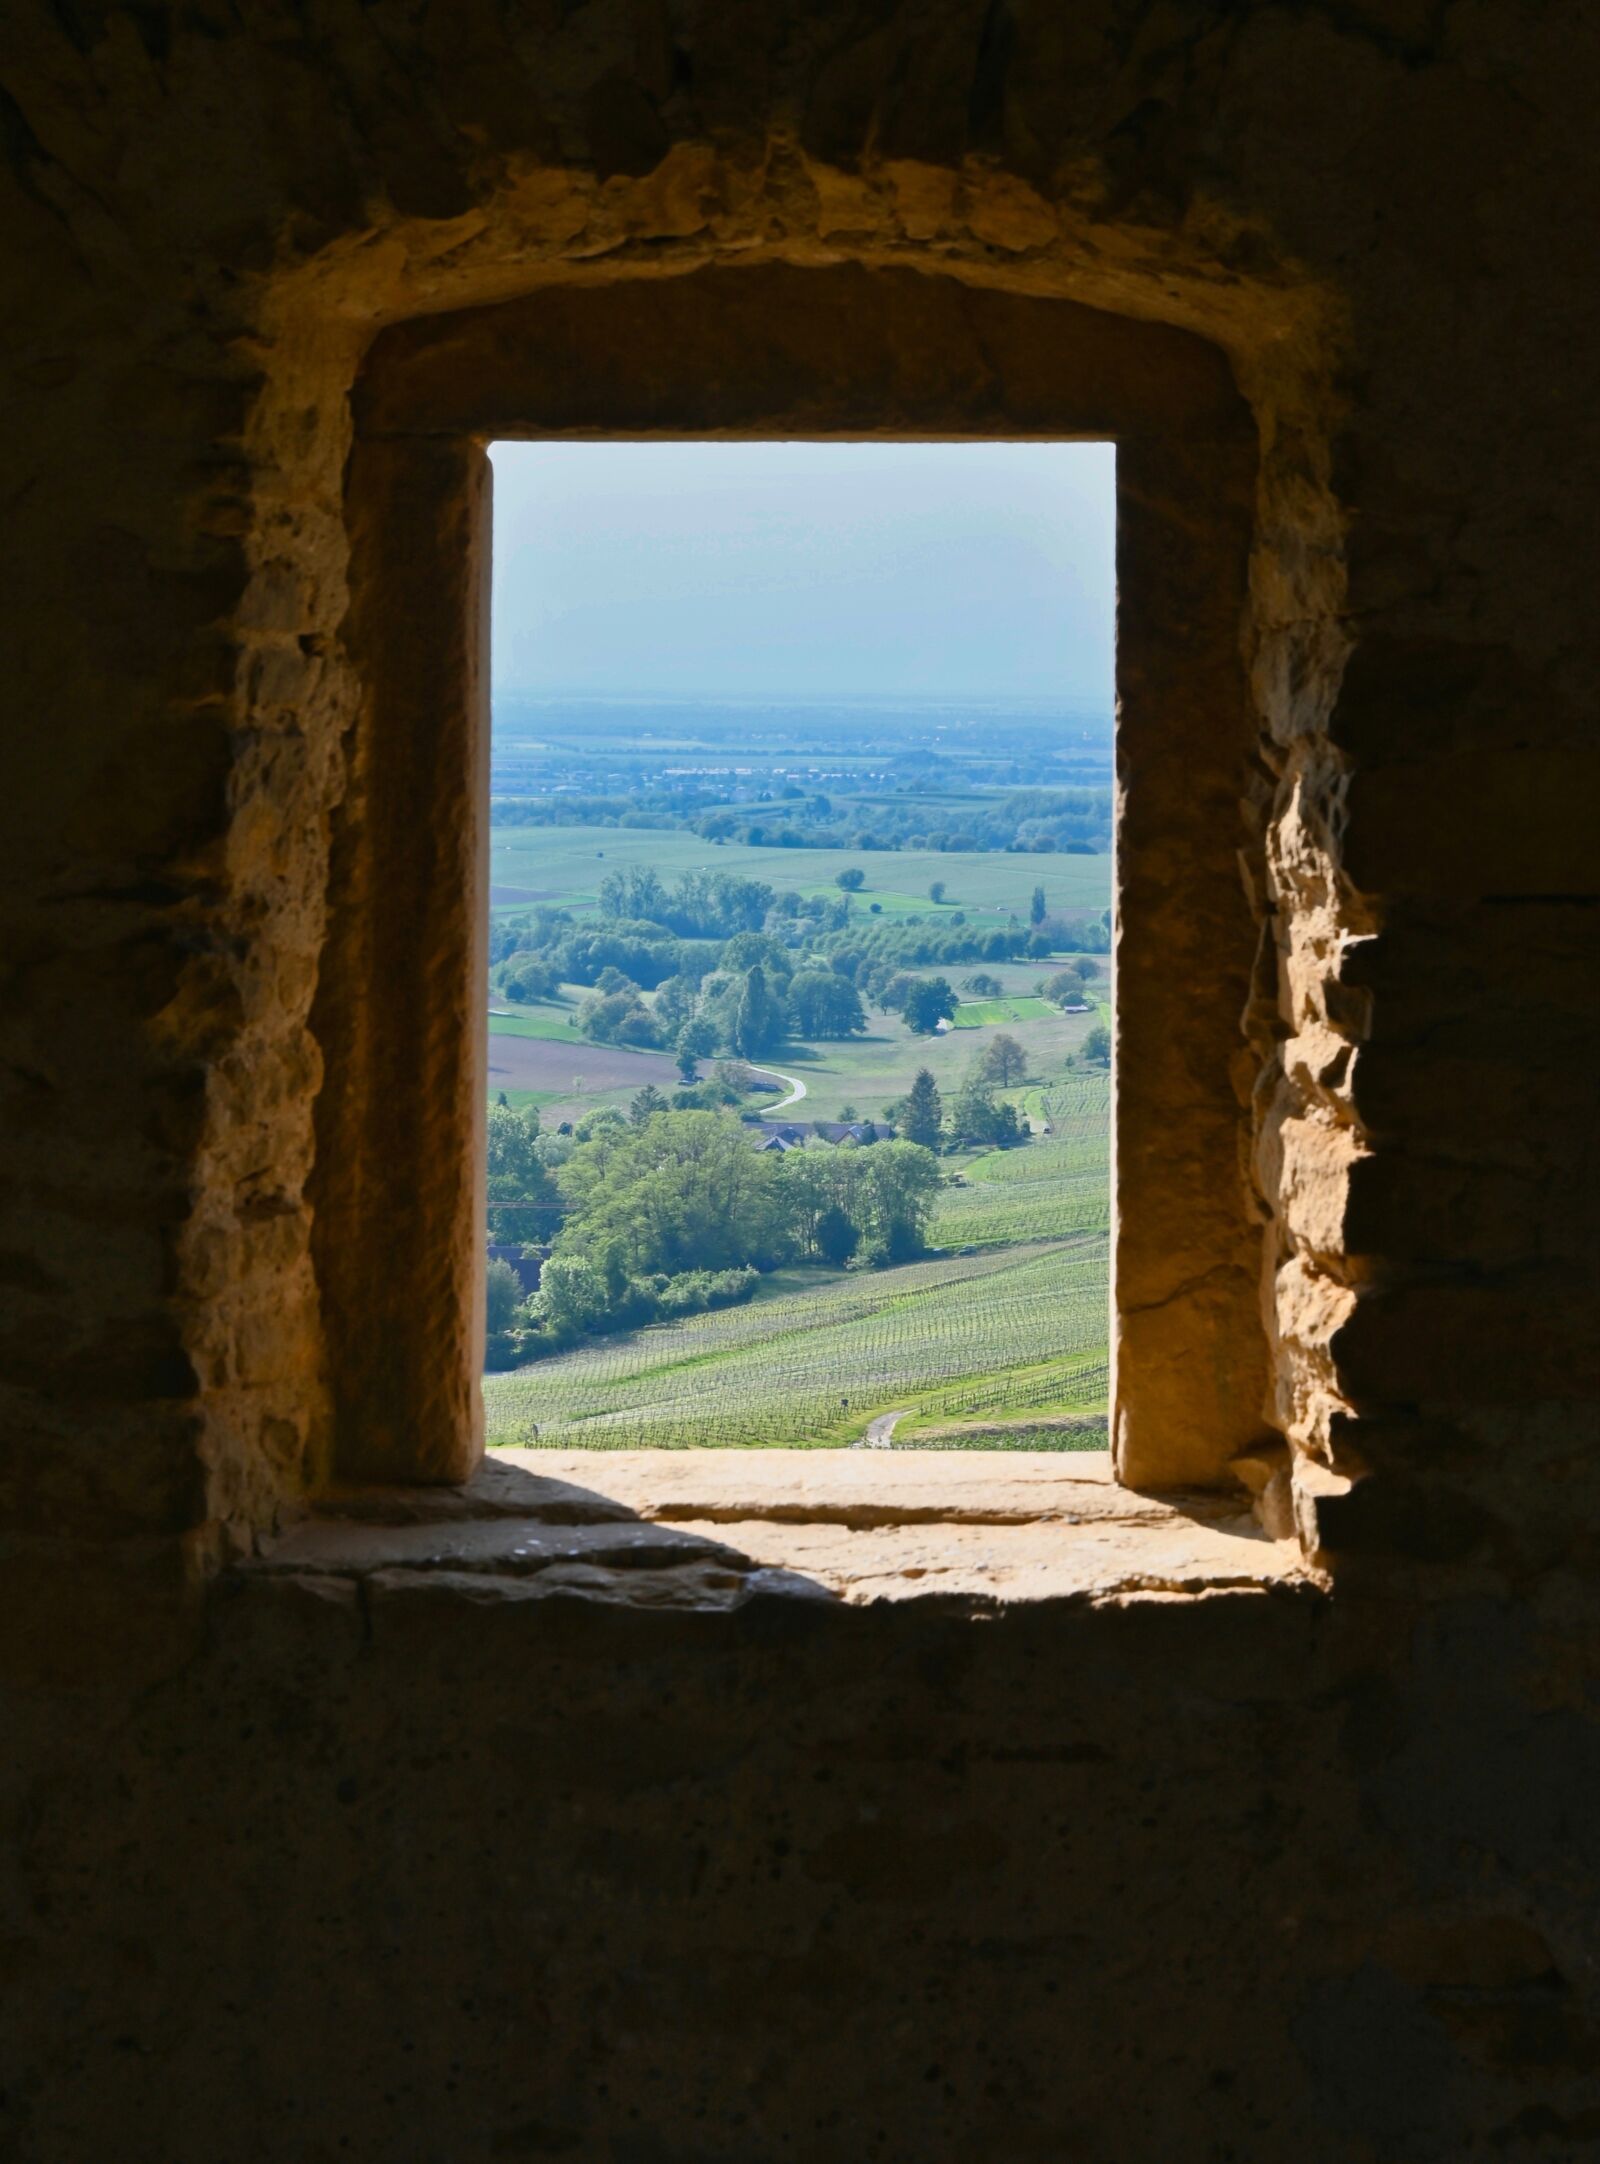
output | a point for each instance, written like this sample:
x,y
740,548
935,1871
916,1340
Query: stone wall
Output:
x,y
299,1869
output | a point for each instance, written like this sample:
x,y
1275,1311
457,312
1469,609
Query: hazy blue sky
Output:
x,y
772,568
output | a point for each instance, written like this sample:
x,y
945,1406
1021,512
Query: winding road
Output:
x,y
797,1090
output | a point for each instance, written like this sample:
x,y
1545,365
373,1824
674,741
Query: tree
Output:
x,y
511,1139
1097,1045
571,1295
895,990
683,1192
922,1117
752,950
936,891
719,1010
637,894
928,1003
618,1018
984,986
526,979
522,1195
645,1102
638,1028
603,1121
759,1023
822,1004
1036,908
898,1184
852,880
1065,987
696,1044
977,1115
810,1183
836,1236
1005,1062
674,1001
696,1040
503,1291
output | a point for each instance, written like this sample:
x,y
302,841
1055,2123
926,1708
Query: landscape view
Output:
x,y
799,1004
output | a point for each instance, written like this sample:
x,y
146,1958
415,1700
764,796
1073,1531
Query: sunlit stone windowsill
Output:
x,y
717,1528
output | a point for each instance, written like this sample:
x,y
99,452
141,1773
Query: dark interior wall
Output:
x,y
1318,1867
433,1875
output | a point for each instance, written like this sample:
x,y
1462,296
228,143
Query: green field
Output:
x,y
567,864
981,1013
1043,1431
820,1352
549,1025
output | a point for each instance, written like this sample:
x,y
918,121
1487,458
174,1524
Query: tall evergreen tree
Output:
x,y
1036,907
923,1117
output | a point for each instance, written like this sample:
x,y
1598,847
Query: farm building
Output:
x,y
790,1135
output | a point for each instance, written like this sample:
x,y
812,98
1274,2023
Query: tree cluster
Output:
x,y
1076,821
975,1117
676,1208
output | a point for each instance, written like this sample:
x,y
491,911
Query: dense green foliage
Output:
x,y
654,1206
926,1003
522,1193
978,1117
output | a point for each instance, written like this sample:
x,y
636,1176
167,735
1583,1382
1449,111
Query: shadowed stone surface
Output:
x,y
1023,1527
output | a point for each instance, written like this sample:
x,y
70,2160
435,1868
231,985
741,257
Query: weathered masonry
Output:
x,y
1233,1800
778,351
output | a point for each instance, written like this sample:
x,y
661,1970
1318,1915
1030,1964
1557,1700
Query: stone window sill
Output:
x,y
713,1529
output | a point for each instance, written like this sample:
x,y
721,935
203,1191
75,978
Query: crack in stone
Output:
x,y
1180,1291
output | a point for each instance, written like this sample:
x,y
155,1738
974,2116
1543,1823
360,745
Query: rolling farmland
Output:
x,y
822,1351
1058,1186
999,1339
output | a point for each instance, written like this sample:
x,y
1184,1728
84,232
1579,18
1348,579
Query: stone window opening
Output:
x,y
756,353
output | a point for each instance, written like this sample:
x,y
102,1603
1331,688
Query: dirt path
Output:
x,y
880,1432
797,1090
